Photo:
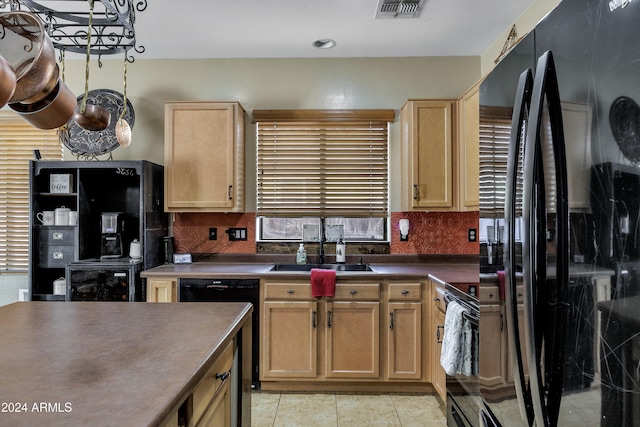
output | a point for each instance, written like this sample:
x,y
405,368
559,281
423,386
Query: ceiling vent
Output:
x,y
399,8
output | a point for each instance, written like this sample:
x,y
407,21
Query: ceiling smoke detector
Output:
x,y
399,9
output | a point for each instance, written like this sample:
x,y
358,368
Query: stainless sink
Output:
x,y
308,267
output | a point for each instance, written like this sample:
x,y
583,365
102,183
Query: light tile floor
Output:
x,y
338,409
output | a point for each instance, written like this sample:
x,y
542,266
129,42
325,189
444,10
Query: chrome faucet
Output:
x,y
321,245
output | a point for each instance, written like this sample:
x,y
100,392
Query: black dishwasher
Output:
x,y
228,290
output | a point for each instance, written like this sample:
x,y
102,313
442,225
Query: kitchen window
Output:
x,y
495,133
18,139
323,166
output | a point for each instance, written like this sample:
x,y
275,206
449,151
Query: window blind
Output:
x,y
495,132
18,139
323,163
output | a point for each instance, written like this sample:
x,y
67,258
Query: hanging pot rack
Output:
x,y
66,23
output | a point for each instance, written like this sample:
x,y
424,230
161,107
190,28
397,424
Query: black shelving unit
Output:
x,y
132,187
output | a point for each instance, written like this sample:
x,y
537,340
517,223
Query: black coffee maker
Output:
x,y
112,228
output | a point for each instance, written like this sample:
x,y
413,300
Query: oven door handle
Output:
x,y
518,128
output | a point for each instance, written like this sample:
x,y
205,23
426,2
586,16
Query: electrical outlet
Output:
x,y
213,234
472,234
237,234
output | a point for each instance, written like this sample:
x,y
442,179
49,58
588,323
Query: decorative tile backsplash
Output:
x,y
435,233
429,233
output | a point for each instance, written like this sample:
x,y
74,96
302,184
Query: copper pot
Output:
x,y
51,112
28,49
7,81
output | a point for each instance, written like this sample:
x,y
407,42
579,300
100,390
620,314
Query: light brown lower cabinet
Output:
x,y
438,307
368,332
209,405
162,289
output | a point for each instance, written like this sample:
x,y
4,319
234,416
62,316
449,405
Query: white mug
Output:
x,y
73,217
62,216
46,217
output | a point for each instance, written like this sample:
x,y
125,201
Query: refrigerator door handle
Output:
x,y
518,128
538,305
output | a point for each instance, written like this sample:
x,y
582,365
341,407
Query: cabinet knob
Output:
x,y
436,299
405,292
290,291
353,292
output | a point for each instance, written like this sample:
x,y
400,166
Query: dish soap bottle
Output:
x,y
301,256
340,251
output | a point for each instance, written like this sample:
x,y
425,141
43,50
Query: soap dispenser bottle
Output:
x,y
301,256
340,251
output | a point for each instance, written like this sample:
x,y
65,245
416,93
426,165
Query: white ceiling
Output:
x,y
286,28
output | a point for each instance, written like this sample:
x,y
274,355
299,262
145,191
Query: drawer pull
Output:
x,y
391,320
313,319
415,192
405,292
353,292
329,319
438,339
229,192
290,291
223,376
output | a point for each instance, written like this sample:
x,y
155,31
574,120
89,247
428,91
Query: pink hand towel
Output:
x,y
323,282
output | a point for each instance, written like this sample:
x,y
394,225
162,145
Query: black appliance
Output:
x,y
585,52
113,280
228,290
462,390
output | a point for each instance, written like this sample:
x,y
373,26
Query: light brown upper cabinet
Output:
x,y
440,154
204,157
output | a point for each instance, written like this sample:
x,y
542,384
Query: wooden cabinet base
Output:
x,y
365,387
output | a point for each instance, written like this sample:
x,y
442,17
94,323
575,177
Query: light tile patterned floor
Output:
x,y
338,409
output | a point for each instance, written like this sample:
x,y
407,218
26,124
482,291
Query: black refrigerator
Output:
x,y
572,86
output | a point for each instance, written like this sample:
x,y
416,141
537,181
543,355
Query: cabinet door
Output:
x,y
468,156
353,339
218,414
427,136
404,344
492,345
162,290
289,340
204,157
438,375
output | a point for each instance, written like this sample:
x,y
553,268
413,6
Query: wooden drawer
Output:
x,y
438,299
57,236
209,386
405,291
358,292
489,295
55,256
287,291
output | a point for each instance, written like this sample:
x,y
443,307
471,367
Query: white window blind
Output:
x,y
495,131
18,139
323,162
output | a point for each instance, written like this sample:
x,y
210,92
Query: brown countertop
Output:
x,y
447,272
98,363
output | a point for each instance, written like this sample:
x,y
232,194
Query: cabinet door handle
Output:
x,y
329,319
438,339
290,291
391,320
405,292
313,319
436,299
229,192
415,192
223,376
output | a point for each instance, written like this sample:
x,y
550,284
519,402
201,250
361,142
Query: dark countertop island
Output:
x,y
108,363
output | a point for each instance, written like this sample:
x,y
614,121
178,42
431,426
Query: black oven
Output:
x,y
463,394
228,290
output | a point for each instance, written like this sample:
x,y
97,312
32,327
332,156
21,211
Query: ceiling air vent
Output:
x,y
399,8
